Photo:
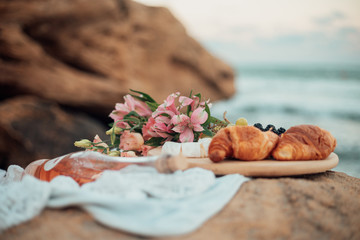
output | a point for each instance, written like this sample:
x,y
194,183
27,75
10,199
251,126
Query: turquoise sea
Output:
x,y
287,95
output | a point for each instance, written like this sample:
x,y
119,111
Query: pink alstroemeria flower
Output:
x,y
169,103
155,128
148,129
130,104
196,103
168,107
187,125
159,125
185,101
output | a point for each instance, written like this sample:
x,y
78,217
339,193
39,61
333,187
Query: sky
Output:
x,y
278,31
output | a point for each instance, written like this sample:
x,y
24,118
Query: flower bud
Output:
x,y
114,153
117,130
83,143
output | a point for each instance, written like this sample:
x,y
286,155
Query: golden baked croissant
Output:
x,y
242,142
304,142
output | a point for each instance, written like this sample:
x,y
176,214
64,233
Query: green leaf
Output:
x,y
165,115
155,141
138,98
117,141
135,128
208,120
132,113
176,137
207,132
196,136
188,110
98,147
190,96
152,105
199,96
131,120
145,97
214,120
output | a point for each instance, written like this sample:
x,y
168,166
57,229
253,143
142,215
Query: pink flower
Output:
x,y
131,104
202,104
196,103
131,141
169,103
168,107
156,128
185,101
148,130
123,125
128,154
97,139
187,125
159,125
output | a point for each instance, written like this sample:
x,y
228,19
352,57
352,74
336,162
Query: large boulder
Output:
x,y
32,128
88,54
318,206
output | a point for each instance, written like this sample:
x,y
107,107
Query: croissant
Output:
x,y
304,142
242,142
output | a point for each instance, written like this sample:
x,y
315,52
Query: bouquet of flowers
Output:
x,y
140,123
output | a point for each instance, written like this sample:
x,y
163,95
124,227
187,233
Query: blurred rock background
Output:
x,y
64,65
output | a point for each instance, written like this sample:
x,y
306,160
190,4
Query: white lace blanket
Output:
x,y
135,199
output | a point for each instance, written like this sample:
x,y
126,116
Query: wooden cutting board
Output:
x,y
266,168
262,168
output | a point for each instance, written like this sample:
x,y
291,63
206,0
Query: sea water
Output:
x,y
326,96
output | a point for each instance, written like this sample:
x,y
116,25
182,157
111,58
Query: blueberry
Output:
x,y
281,130
270,127
259,126
275,131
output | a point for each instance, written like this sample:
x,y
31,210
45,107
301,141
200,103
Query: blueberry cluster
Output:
x,y
270,127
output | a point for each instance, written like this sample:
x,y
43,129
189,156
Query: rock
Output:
x,y
88,54
32,128
318,206
84,56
